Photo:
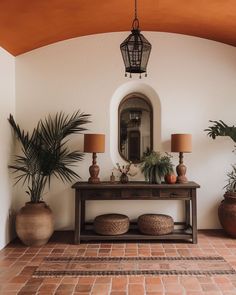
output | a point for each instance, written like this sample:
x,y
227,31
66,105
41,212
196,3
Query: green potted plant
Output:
x,y
155,167
44,153
227,208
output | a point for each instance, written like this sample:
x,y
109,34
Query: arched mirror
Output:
x,y
135,127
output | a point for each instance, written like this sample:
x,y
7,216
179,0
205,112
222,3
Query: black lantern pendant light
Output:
x,y
135,50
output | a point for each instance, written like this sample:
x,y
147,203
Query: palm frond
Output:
x,y
231,181
20,134
54,131
45,152
219,128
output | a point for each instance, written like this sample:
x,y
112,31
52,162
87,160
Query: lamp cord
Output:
x,y
135,9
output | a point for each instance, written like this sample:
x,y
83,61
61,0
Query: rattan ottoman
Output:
x,y
155,224
111,224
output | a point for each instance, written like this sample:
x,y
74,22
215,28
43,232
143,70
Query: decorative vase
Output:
x,y
170,178
227,213
124,178
34,224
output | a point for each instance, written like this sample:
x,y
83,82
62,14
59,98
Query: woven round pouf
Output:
x,y
155,224
111,224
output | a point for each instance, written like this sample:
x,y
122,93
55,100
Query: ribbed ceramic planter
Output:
x,y
34,224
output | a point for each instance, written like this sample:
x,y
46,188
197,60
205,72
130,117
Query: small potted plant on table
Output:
x,y
44,154
155,167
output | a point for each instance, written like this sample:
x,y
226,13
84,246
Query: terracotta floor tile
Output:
x,y
194,292
30,288
170,279
158,253
70,281
64,292
205,279
153,280
190,283
103,280
117,253
17,264
119,283
209,287
48,287
221,280
226,286
154,288
136,289
105,246
52,280
87,280
136,279
101,289
83,288
19,279
28,270
65,287
12,287
173,287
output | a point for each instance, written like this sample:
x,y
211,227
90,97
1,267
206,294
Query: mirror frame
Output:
x,y
147,100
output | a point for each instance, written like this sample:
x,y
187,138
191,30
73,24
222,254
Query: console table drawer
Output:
x,y
103,194
136,193
173,193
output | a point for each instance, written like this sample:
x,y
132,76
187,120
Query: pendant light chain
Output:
x,y
135,24
135,9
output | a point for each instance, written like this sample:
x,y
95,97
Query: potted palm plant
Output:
x,y
227,208
44,153
155,167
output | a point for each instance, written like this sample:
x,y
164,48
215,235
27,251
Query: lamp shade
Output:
x,y
94,143
181,143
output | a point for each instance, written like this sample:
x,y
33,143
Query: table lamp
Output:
x,y
181,143
94,143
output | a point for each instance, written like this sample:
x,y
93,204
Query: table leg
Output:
x,y
83,210
194,216
187,213
77,217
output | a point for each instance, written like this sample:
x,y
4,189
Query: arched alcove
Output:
x,y
121,92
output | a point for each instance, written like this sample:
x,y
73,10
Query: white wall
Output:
x,y
194,80
7,106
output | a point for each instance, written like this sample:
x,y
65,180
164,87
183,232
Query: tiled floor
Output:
x,y
17,263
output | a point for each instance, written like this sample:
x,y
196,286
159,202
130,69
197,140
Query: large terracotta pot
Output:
x,y
34,224
227,213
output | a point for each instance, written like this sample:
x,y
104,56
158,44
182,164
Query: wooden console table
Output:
x,y
136,191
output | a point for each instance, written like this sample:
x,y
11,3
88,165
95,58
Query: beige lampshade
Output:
x,y
181,143
94,143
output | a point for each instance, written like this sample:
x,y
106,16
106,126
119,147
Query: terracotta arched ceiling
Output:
x,y
29,24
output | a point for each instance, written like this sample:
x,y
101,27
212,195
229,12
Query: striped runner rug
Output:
x,y
119,266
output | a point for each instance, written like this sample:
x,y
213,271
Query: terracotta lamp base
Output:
x,y
94,171
181,170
